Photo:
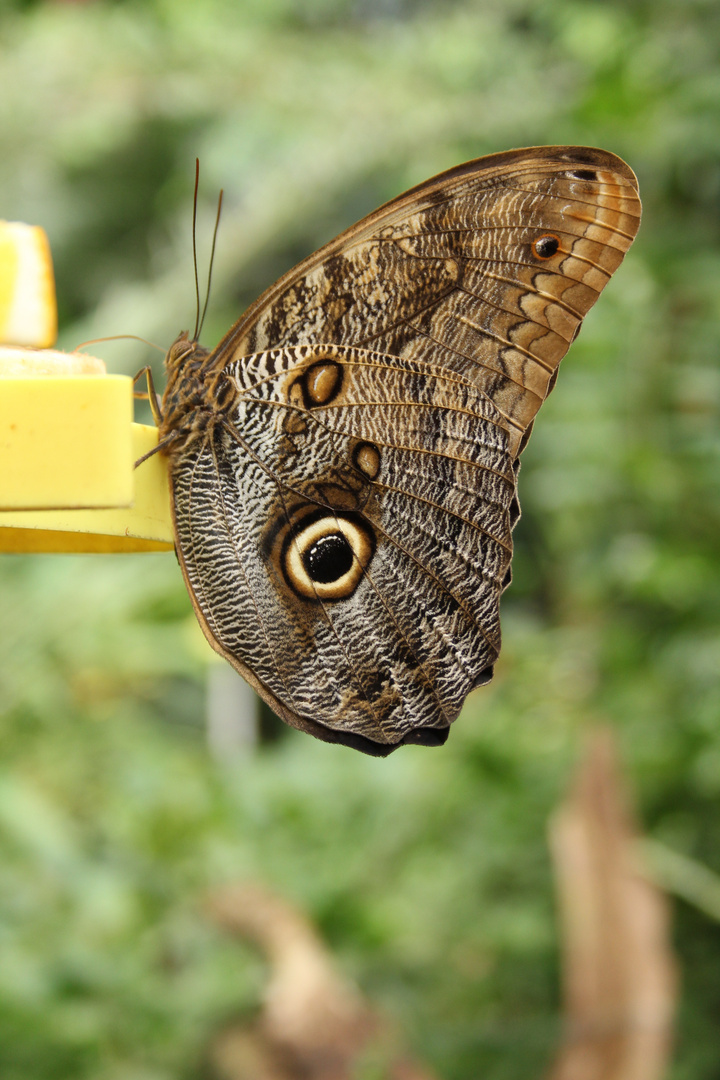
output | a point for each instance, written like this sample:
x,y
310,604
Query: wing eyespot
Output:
x,y
583,174
546,246
366,459
321,383
324,557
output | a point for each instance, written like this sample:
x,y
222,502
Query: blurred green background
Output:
x,y
428,873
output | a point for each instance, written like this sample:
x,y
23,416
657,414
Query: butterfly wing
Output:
x,y
344,518
487,269
345,534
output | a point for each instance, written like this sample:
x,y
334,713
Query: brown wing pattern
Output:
x,y
412,466
343,466
487,269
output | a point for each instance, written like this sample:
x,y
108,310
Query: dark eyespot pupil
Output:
x,y
546,246
584,174
328,558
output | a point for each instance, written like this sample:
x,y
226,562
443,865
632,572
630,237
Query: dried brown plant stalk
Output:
x,y
314,1025
620,979
619,973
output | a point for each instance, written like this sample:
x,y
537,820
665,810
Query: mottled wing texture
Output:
x,y
450,273
344,506
420,627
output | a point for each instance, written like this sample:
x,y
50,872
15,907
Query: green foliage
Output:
x,y
428,872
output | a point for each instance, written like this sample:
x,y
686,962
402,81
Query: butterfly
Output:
x,y
343,465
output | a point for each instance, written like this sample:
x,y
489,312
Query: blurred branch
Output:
x,y
619,972
314,1025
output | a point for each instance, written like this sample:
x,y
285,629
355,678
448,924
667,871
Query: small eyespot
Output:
x,y
366,458
583,174
546,246
325,556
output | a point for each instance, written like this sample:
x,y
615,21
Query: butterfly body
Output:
x,y
343,466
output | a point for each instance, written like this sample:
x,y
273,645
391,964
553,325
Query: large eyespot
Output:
x,y
324,556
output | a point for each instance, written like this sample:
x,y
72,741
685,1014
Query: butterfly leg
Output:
x,y
151,395
154,399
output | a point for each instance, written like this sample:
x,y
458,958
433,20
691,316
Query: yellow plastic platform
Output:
x,y
67,441
64,439
144,526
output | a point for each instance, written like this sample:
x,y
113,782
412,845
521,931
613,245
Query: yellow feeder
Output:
x,y
67,441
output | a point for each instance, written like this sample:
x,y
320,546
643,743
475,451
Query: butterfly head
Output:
x,y
184,355
186,400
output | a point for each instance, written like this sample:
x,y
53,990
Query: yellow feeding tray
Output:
x,y
67,453
64,432
67,441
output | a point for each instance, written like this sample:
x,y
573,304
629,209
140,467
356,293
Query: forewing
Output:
x,y
486,270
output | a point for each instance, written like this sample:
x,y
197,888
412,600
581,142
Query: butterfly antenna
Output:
x,y
194,239
120,337
212,260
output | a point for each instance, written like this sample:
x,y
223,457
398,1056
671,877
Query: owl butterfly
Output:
x,y
343,466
